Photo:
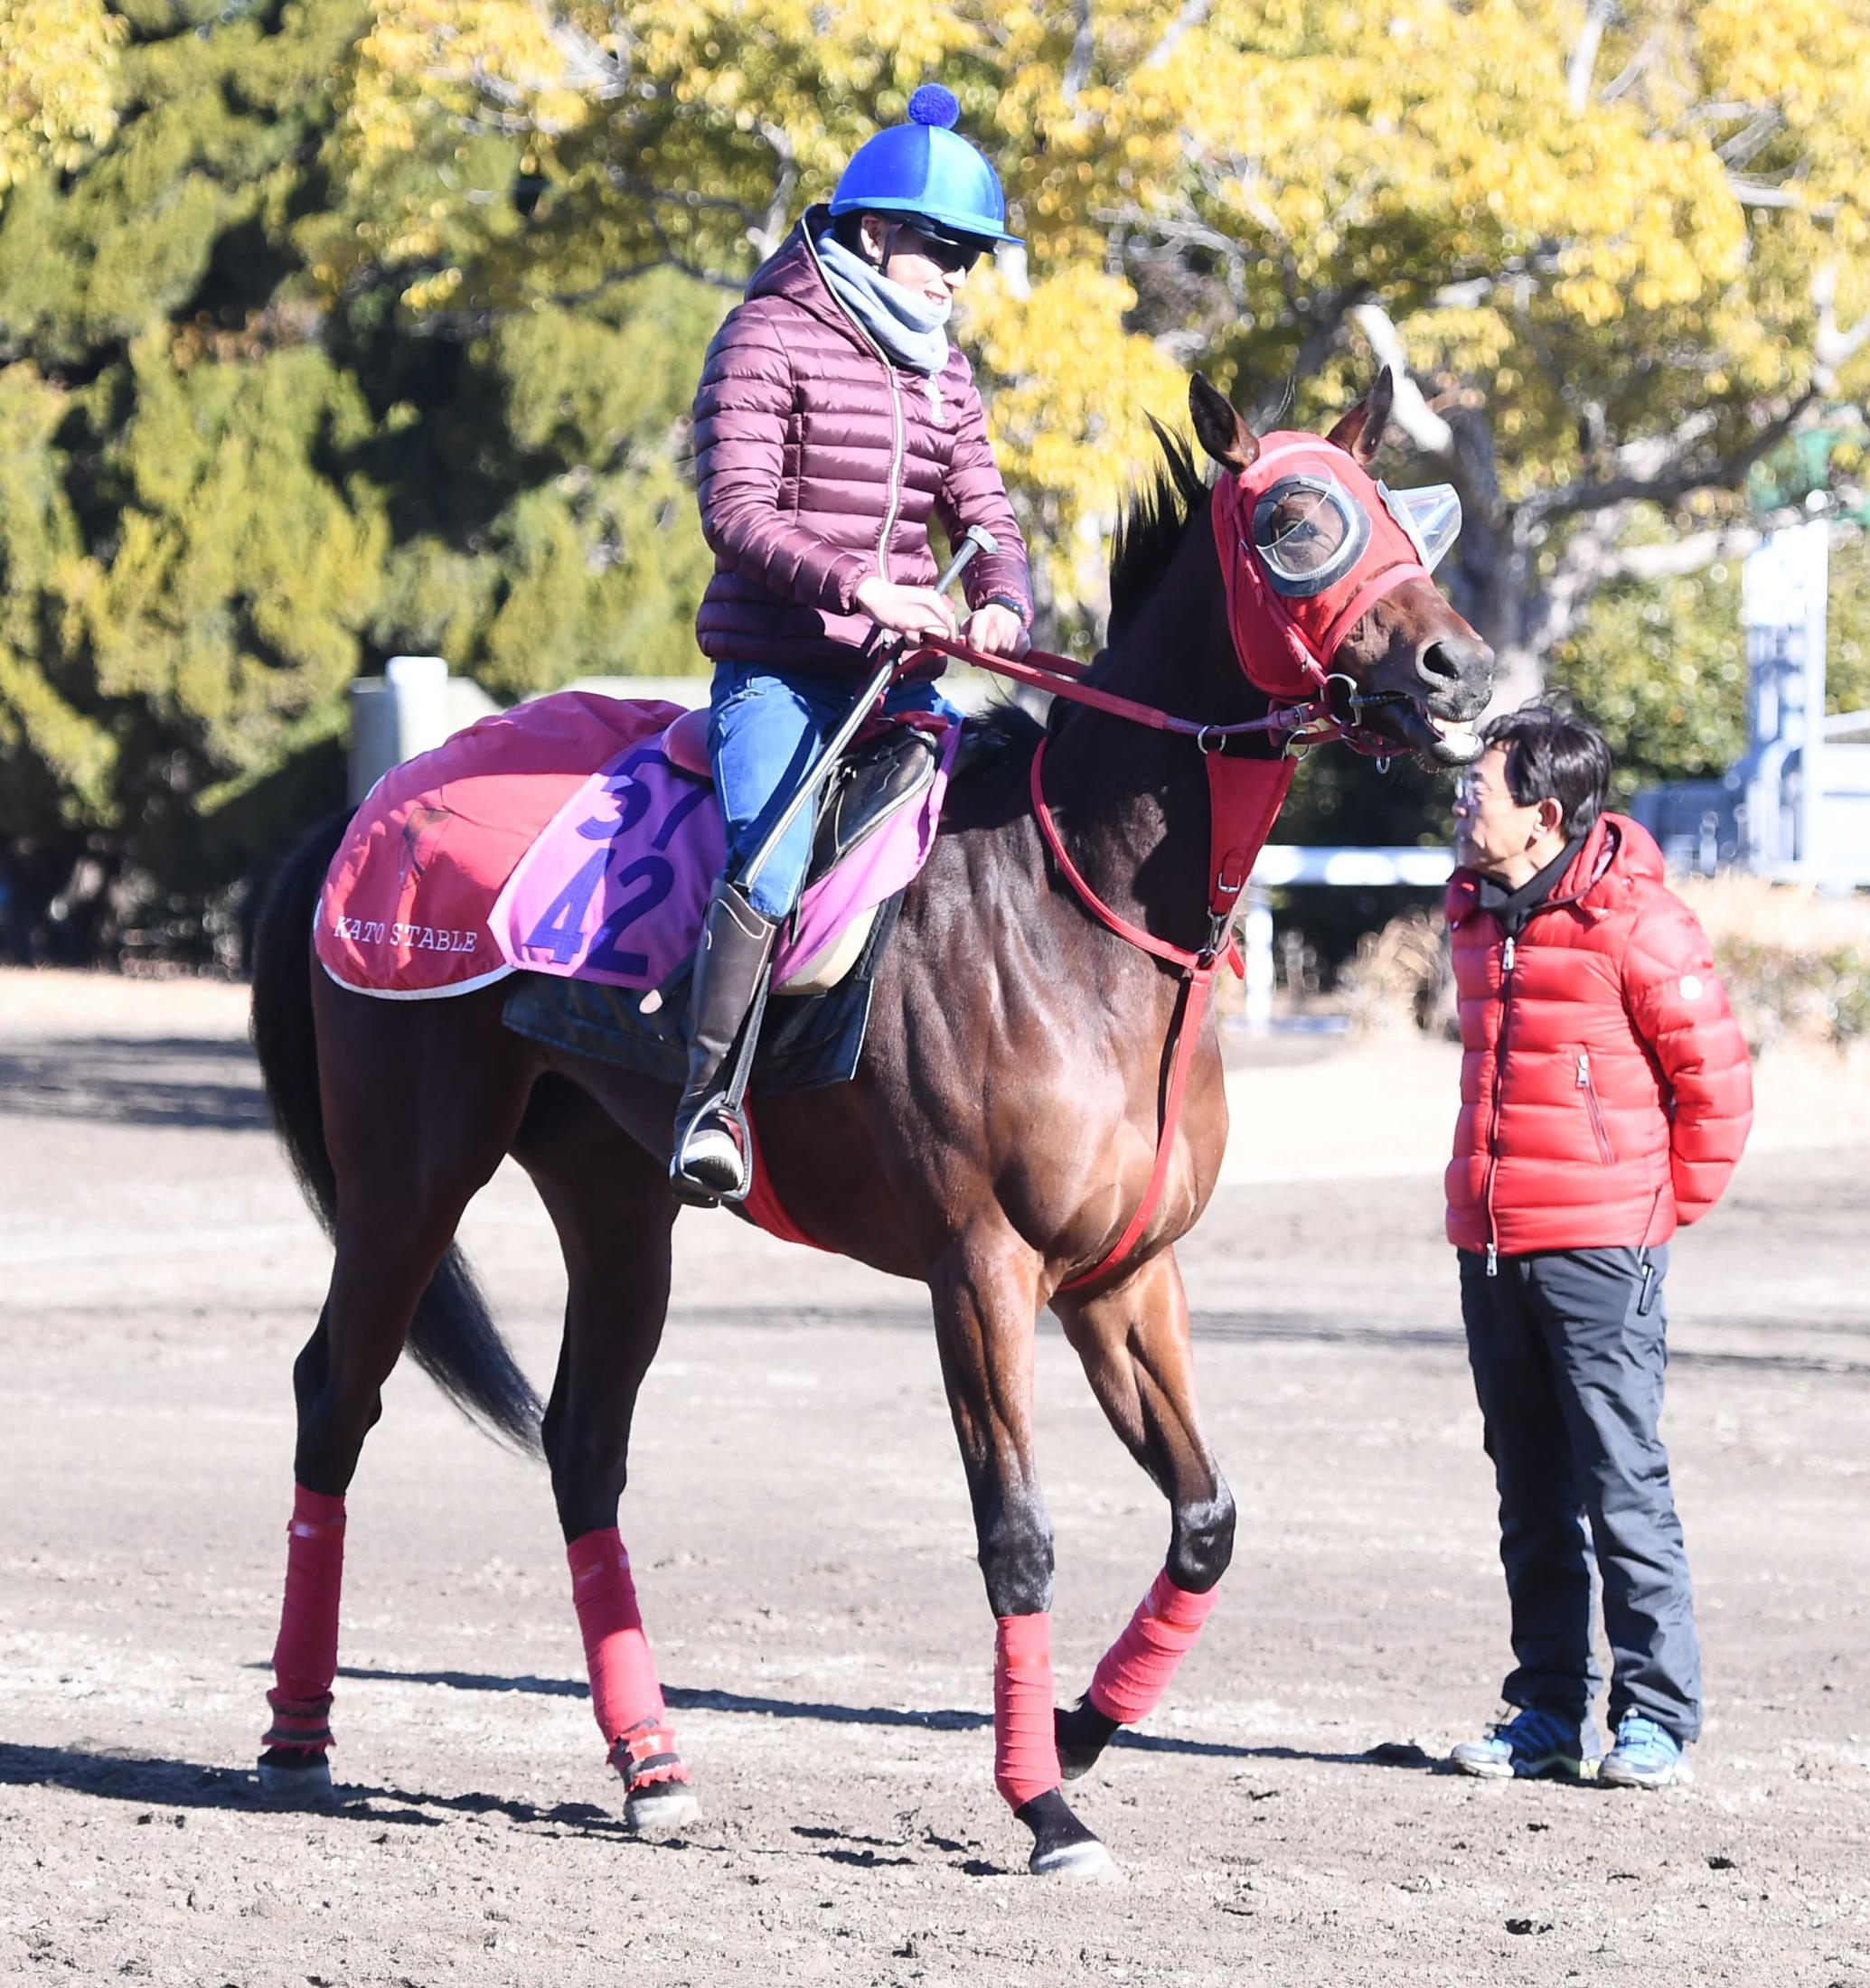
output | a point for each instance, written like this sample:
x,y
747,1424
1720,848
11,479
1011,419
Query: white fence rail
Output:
x,y
1283,863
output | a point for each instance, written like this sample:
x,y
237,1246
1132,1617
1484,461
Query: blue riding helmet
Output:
x,y
924,169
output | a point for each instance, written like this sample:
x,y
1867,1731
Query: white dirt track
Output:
x,y
804,1556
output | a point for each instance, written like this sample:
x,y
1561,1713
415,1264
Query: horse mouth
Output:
x,y
1441,741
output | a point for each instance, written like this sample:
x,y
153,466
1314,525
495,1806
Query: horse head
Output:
x,y
1328,573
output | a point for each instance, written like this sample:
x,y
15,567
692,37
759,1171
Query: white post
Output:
x,y
1256,944
1783,585
420,684
396,715
1815,546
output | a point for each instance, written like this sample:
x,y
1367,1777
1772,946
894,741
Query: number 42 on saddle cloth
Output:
x,y
560,837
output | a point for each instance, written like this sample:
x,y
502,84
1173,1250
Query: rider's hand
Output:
x,y
996,631
908,610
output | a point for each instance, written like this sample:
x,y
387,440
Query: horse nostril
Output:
x,y
1439,665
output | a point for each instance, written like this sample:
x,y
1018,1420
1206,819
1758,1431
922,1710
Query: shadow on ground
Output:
x,y
684,1698
191,1082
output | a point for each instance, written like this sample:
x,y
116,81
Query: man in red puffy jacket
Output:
x,y
1605,1098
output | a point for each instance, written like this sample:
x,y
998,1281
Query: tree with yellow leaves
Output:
x,y
56,60
1614,252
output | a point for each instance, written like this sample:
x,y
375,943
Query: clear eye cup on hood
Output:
x,y
1430,516
1309,532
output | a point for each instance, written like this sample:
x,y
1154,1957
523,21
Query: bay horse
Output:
x,y
999,1138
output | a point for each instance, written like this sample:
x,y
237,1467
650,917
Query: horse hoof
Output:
x,y
296,1779
1084,1860
1062,1847
661,1808
1081,1736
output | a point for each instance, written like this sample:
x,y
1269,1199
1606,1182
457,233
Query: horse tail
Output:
x,y
453,1335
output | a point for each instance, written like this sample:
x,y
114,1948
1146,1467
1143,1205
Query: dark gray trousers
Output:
x,y
1568,1368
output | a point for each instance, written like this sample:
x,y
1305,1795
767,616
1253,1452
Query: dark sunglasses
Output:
x,y
956,257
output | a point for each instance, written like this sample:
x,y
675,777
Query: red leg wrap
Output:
x,y
625,1693
1137,1668
1025,1752
306,1656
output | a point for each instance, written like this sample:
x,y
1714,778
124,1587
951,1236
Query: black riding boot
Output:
x,y
710,1162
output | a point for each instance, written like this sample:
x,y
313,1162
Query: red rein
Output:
x,y
1244,797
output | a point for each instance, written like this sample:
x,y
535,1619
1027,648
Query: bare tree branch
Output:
x,y
1754,194
1192,15
1632,70
1083,52
1832,348
1668,487
771,229
1329,314
1694,552
1752,138
1423,426
1578,71
588,66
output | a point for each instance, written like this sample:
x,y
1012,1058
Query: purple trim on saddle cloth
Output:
x,y
615,887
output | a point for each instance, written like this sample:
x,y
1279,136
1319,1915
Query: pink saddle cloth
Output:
x,y
560,837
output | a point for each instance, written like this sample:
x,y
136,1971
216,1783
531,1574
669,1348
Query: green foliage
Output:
x,y
336,328
226,487
1662,668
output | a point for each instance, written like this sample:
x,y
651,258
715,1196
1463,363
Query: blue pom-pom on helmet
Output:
x,y
926,170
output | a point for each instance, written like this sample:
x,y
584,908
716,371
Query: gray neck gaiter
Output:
x,y
910,328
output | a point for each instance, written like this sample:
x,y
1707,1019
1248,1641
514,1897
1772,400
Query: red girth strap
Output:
x,y
1244,797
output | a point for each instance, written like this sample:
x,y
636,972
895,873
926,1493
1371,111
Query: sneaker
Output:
x,y
1531,1744
1645,1756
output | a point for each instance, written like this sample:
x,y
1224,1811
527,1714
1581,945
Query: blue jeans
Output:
x,y
764,732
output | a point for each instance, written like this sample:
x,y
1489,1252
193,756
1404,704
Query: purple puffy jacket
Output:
x,y
819,462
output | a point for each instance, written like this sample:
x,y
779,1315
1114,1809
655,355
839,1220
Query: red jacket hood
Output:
x,y
1619,859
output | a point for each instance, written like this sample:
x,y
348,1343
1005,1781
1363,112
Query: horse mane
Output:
x,y
1151,528
1148,533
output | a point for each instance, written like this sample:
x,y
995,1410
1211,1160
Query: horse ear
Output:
x,y
1218,426
1359,433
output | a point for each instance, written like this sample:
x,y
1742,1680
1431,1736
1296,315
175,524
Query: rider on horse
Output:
x,y
832,418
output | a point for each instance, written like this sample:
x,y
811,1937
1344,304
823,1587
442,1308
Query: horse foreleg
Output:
x,y
1133,1342
611,1206
985,1309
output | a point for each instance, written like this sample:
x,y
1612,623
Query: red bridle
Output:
x,y
1284,648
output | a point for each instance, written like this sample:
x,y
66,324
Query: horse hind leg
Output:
x,y
610,1203
409,1147
1133,1343
383,1265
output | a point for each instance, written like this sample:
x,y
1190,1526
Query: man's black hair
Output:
x,y
1554,755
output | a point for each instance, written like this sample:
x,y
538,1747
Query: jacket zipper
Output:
x,y
1594,1108
1493,1119
896,467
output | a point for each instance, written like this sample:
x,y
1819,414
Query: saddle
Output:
x,y
814,1034
889,767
